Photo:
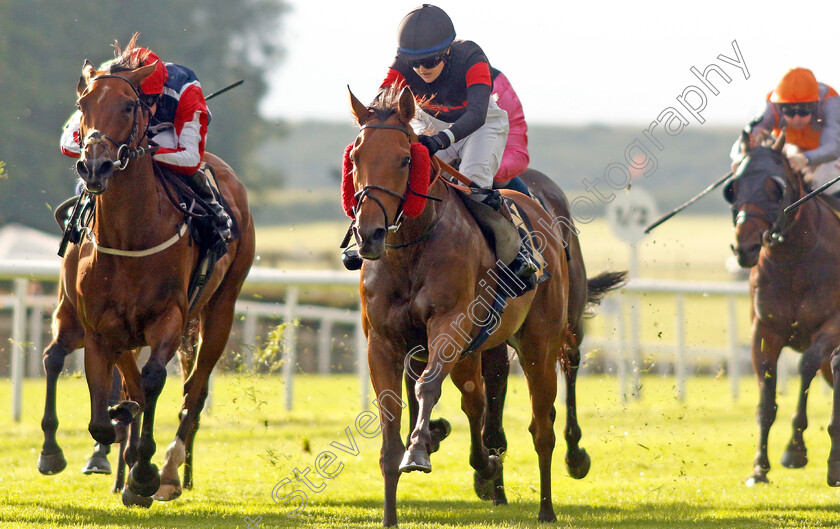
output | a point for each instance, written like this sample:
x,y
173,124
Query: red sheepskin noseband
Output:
x,y
418,182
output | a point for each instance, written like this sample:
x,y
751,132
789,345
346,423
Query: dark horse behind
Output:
x,y
794,261
584,294
424,283
125,286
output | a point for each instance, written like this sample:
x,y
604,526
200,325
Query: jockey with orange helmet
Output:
x,y
809,111
178,125
457,118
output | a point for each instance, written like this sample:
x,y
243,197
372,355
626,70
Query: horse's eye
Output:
x,y
773,189
406,161
729,192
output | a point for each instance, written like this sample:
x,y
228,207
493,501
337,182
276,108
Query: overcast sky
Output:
x,y
570,62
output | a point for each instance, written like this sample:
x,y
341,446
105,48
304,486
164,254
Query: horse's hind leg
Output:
x,y
495,368
577,460
539,368
795,454
214,329
834,424
765,349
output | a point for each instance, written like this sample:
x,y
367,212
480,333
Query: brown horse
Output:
x,y
495,366
424,281
795,289
129,287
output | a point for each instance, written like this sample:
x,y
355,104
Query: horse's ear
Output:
x,y
360,111
780,141
87,70
139,75
406,106
745,141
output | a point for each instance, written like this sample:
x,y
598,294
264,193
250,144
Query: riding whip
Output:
x,y
812,194
223,90
693,200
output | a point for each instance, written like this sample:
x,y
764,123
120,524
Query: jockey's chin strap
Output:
x,y
125,150
365,192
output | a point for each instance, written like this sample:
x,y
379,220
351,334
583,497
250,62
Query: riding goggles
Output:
x,y
797,110
427,63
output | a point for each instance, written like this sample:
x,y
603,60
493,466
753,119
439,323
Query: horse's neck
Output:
x,y
802,233
134,212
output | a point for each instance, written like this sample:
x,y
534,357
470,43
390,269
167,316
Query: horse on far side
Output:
x,y
794,262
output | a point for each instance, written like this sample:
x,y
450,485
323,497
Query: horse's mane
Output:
x,y
387,101
126,59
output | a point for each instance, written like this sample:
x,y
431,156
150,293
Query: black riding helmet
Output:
x,y
424,32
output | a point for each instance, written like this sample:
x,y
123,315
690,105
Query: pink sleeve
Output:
x,y
515,158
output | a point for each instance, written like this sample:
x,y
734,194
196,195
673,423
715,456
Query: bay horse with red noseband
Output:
x,y
130,286
424,286
794,261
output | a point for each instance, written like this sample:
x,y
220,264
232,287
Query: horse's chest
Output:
x,y
794,308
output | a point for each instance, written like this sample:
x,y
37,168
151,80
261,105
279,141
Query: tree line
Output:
x,y
43,44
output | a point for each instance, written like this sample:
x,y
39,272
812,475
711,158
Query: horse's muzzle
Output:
x,y
746,255
95,174
371,245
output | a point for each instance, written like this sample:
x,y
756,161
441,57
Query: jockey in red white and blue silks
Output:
x,y
179,124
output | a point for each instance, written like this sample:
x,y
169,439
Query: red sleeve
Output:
x,y
479,73
191,119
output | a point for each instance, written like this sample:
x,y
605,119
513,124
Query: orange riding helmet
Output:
x,y
798,85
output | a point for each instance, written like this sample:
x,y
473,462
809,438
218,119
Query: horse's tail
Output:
x,y
598,286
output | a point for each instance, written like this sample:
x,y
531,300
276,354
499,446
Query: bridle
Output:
x,y
365,192
125,149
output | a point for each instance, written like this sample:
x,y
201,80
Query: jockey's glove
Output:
x,y
434,143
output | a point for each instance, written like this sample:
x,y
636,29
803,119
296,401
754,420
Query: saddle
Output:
x,y
74,214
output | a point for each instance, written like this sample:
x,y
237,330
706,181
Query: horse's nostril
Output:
x,y
81,168
106,168
378,235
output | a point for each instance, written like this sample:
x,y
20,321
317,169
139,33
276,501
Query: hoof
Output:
x,y
795,458
547,515
834,473
578,465
142,485
97,464
439,430
758,479
416,459
485,488
169,490
49,464
124,412
131,499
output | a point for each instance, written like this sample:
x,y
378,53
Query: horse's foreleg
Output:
x,y
51,460
99,371
164,337
795,454
385,374
577,460
834,424
98,463
765,353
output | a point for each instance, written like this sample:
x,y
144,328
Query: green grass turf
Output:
x,y
656,463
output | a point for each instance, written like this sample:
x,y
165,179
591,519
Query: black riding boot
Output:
x,y
492,219
222,220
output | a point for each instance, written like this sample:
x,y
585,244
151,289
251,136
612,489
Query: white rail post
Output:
x,y
679,367
324,341
290,343
734,369
35,345
18,339
364,375
249,337
621,363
